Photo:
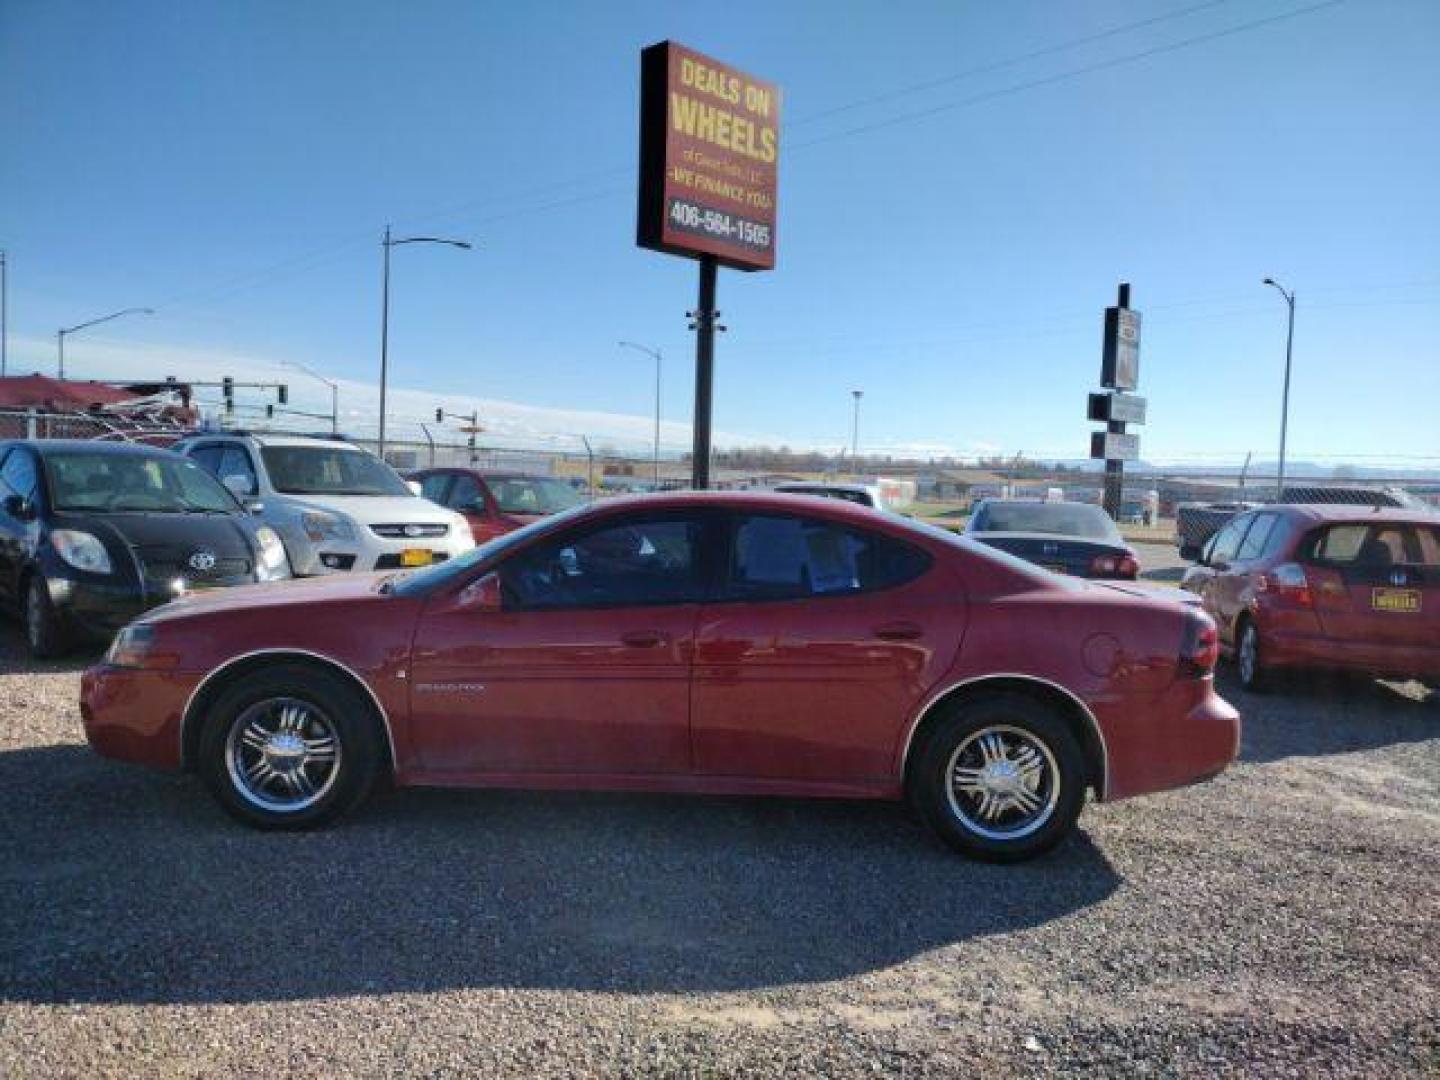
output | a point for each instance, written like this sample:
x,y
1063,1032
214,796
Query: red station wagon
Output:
x,y
495,503
1344,587
723,643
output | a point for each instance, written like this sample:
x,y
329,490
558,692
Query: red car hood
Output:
x,y
275,594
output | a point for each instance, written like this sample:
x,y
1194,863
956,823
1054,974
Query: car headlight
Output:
x,y
82,550
131,646
272,551
320,525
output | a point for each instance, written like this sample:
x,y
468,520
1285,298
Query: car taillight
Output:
x,y
1122,566
1199,646
1287,582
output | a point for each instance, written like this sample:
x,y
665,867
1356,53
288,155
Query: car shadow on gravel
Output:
x,y
1314,714
127,886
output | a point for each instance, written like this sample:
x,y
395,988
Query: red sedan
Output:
x,y
1344,587
724,643
495,503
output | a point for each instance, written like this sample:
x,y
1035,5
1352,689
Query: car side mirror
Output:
x,y
414,486
238,485
484,595
20,508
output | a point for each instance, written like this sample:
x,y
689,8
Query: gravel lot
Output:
x,y
1281,920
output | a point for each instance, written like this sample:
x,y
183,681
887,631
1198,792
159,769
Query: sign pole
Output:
x,y
1115,470
704,327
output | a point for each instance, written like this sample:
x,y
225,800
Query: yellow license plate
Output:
x,y
1406,601
415,557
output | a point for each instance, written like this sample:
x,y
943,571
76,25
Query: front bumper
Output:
x,y
372,553
135,714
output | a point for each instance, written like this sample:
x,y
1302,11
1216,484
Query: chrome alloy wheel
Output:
x,y
282,754
1249,658
1002,782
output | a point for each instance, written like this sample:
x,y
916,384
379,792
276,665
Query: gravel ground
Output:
x,y
1281,920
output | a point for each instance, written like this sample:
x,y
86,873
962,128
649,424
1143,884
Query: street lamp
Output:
x,y
658,358
855,431
386,244
334,392
1285,398
60,334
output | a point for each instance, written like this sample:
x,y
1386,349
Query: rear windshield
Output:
x,y
329,470
134,483
1057,519
1379,543
532,495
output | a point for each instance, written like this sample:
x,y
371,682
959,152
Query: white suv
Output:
x,y
335,506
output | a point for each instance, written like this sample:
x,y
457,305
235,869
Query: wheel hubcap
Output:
x,y
1003,782
282,754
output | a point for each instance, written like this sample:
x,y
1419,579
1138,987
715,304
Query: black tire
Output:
x,y
45,635
1059,778
1250,669
333,709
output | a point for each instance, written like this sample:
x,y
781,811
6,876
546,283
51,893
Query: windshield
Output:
x,y
115,483
330,470
531,495
1056,519
419,582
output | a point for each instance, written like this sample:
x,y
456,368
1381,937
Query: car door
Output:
x,y
823,641
1221,590
587,667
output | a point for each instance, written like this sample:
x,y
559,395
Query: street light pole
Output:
x,y
1285,398
655,353
334,392
855,430
60,334
387,243
4,314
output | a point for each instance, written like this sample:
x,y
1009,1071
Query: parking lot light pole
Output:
x,y
1285,398
386,244
855,431
654,353
61,334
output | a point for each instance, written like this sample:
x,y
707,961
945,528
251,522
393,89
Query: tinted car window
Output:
x,y
625,565
1058,519
235,461
164,483
1227,541
1380,544
529,495
1257,537
777,557
19,475
433,487
465,495
209,457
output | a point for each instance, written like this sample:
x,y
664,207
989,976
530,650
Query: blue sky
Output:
x,y
233,164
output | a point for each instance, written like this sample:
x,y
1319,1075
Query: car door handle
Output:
x,y
900,631
644,639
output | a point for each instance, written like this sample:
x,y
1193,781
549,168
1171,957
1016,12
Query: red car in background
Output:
x,y
1351,588
731,643
496,503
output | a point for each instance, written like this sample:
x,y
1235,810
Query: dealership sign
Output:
x,y
709,159
1120,366
1126,408
1114,446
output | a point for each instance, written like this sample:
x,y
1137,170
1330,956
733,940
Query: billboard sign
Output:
x,y
709,159
1125,408
1114,446
1120,364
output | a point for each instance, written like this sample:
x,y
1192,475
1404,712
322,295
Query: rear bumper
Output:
x,y
1187,734
135,715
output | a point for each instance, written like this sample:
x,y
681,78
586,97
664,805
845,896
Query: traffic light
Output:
x,y
439,416
269,411
283,394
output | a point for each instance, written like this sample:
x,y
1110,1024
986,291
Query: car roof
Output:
x,y
484,474
1321,513
272,439
116,449
821,485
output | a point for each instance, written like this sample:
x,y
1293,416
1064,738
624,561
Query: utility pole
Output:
x,y
1285,397
855,430
658,358
4,313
